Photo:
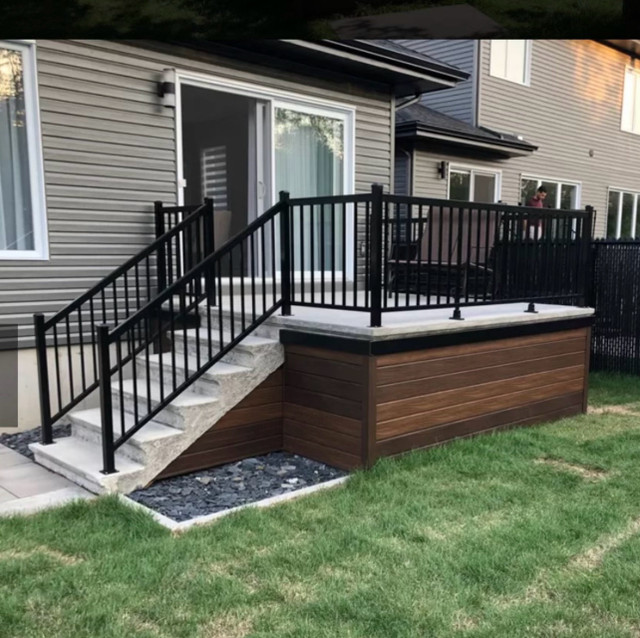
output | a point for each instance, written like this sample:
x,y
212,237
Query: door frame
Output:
x,y
272,96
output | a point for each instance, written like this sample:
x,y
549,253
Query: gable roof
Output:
x,y
419,121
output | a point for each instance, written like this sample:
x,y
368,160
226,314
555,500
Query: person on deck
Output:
x,y
534,227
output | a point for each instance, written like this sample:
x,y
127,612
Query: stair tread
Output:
x,y
84,456
217,369
151,431
185,399
247,342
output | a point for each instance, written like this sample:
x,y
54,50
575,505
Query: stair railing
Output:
x,y
111,301
249,289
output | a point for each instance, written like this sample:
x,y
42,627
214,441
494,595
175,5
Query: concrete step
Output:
x,y
80,461
268,329
87,425
176,414
243,354
212,383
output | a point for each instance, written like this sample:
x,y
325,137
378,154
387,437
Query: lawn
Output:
x,y
529,532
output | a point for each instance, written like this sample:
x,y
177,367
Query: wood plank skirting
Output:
x,y
347,402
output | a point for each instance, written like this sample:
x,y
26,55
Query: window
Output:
x,y
22,210
623,221
510,60
631,101
473,185
564,195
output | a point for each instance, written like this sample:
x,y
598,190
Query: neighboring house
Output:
x,y
563,113
87,144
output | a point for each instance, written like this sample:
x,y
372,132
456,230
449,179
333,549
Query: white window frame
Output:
x,y
287,99
554,180
40,250
528,46
630,108
634,214
473,170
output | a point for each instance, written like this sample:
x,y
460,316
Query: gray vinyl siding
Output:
x,y
458,101
427,181
572,106
110,150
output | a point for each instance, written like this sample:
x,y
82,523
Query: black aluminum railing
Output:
x,y
372,252
70,333
252,292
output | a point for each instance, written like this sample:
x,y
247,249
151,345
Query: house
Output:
x,y
181,224
96,146
563,113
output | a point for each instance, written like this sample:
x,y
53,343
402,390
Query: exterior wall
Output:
x,y
428,183
573,106
324,405
460,100
425,397
110,150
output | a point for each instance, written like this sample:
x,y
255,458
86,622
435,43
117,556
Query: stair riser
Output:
x,y
89,433
203,385
167,416
69,473
238,355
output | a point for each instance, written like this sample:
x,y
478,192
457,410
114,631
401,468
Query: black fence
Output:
x,y
615,294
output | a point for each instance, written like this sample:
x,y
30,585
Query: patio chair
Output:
x,y
442,267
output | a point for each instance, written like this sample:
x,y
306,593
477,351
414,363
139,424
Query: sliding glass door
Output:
x,y
310,161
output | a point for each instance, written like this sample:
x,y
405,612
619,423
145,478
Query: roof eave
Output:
x,y
501,147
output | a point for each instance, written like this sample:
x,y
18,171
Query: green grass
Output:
x,y
530,532
613,389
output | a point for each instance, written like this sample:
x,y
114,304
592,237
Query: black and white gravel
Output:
x,y
20,440
208,491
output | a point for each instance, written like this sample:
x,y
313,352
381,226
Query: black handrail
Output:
x,y
210,347
114,298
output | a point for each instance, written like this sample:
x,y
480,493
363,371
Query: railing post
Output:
x,y
375,255
46,436
457,315
209,249
106,411
587,256
285,252
162,257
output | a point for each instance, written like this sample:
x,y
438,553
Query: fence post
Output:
x,y
209,249
106,411
285,252
46,431
587,257
162,257
375,255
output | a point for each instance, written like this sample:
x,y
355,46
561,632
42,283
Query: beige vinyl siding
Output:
x,y
459,101
109,151
572,106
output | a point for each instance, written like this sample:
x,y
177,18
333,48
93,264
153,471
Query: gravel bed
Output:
x,y
20,440
220,488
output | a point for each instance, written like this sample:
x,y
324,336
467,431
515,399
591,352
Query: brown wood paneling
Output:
x,y
323,409
325,367
475,391
587,357
306,414
453,413
546,410
329,455
454,361
476,348
421,387
252,427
